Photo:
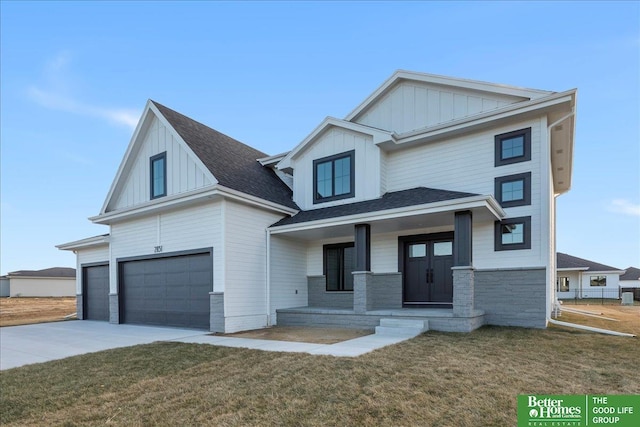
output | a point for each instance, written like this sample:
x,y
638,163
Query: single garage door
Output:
x,y
95,281
169,291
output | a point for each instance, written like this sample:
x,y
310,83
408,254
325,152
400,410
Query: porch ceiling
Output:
x,y
432,215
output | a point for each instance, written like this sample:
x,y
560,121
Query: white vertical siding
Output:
x,y
336,141
288,271
412,105
185,229
183,173
245,266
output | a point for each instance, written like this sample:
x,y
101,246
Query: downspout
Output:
x,y
268,278
589,328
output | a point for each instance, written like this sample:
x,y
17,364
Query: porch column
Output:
x,y
463,274
363,247
462,243
362,299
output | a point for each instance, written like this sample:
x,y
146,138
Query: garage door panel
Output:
x,y
172,291
96,292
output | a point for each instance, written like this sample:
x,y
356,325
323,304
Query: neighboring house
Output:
x,y
581,278
433,199
50,282
630,282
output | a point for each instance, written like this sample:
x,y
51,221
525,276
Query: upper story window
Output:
x,y
513,190
333,177
513,233
513,147
158,175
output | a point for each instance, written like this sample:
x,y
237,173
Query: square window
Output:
x,y
339,263
513,234
158,178
598,281
333,177
513,147
513,190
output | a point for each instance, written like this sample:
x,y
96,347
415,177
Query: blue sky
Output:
x,y
74,78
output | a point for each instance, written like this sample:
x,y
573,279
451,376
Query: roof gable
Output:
x,y
234,164
378,136
490,94
197,157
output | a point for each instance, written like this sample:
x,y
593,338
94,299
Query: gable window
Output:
x,y
158,177
339,263
513,234
513,190
598,281
333,177
513,147
562,284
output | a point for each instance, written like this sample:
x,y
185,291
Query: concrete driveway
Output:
x,y
23,345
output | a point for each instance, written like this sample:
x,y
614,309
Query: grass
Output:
x,y
436,379
16,311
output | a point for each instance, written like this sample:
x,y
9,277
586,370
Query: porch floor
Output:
x,y
439,319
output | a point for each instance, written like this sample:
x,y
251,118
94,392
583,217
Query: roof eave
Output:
x,y
192,197
464,203
85,243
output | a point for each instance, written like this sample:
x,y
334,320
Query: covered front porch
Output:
x,y
399,262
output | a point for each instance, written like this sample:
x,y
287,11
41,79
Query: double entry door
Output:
x,y
427,276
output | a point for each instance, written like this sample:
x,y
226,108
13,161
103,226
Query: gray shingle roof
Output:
x,y
631,274
392,200
568,261
233,163
47,272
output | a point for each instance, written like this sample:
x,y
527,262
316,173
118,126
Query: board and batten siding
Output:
x,y
183,172
336,141
288,271
94,255
245,248
189,228
412,105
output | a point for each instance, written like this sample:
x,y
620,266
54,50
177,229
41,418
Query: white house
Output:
x,y
581,278
50,282
433,199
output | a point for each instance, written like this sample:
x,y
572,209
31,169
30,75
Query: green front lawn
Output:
x,y
437,379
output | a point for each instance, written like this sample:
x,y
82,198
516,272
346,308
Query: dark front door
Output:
x,y
428,280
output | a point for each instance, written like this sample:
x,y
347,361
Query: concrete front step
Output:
x,y
402,327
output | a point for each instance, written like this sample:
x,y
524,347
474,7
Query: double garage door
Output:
x,y
167,291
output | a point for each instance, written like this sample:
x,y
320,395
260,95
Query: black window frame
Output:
x,y
153,159
341,279
597,278
526,187
526,244
526,155
333,159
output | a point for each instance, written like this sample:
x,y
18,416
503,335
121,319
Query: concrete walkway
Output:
x,y
24,345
